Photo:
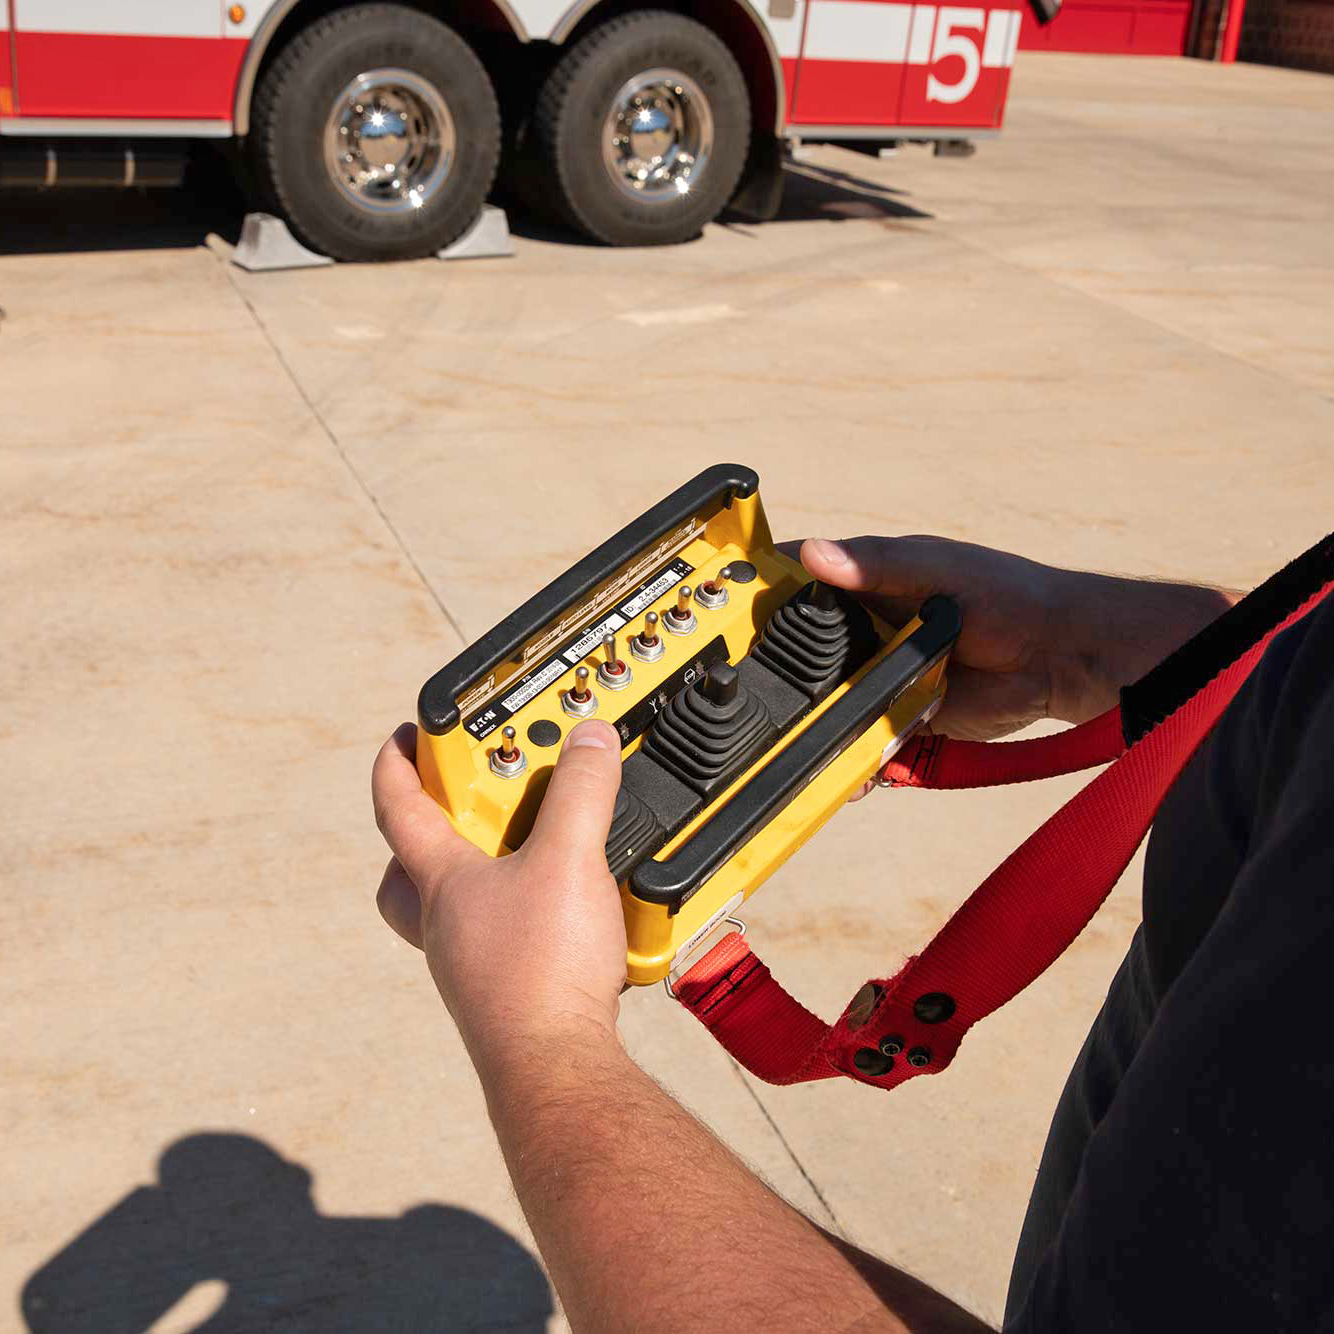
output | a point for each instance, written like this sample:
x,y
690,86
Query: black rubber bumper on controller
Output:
x,y
674,879
437,705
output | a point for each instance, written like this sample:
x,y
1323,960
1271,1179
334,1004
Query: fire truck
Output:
x,y
376,130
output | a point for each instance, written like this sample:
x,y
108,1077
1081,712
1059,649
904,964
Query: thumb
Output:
x,y
576,810
881,569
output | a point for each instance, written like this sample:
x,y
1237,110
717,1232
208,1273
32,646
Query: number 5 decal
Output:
x,y
951,43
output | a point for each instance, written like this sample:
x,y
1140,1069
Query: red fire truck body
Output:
x,y
639,123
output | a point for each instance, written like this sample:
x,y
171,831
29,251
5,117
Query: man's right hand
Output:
x,y
1037,641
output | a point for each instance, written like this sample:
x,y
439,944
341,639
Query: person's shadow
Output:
x,y
229,1211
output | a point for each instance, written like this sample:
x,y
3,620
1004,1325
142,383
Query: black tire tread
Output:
x,y
553,105
263,146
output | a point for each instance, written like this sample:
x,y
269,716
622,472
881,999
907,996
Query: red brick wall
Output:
x,y
1295,33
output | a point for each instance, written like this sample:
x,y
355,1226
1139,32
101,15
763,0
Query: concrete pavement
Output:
x,y
246,515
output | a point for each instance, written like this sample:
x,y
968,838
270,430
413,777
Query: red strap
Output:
x,y
733,995
1007,933
936,761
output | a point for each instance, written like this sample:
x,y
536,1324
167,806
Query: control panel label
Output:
x,y
585,644
577,647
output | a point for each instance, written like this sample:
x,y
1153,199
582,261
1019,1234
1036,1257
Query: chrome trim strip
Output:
x,y
58,126
576,13
263,35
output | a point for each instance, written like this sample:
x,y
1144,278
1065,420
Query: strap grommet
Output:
x,y
934,1008
892,1045
871,1062
862,1006
919,1056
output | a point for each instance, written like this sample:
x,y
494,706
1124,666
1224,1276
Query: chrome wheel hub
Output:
x,y
658,135
389,141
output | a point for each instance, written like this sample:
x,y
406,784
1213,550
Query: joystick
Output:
x,y
711,731
635,833
815,640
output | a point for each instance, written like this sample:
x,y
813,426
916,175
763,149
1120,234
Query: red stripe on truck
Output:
x,y
95,74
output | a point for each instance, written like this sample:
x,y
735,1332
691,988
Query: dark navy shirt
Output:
x,y
1188,1178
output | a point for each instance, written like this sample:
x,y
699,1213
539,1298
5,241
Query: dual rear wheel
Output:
x,y
376,132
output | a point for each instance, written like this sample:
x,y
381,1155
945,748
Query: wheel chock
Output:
x,y
487,238
267,244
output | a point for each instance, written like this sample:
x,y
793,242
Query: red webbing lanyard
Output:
x,y
1013,926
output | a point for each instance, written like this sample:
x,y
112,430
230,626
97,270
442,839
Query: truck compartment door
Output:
x,y
865,62
137,59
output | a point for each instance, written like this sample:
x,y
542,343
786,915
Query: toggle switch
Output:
x,y
507,760
680,620
580,702
613,673
647,645
712,593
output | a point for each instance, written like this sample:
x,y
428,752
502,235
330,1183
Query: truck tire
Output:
x,y
376,134
644,125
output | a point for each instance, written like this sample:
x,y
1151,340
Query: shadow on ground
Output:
x,y
39,222
814,193
231,1237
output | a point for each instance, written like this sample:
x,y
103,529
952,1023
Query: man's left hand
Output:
x,y
528,948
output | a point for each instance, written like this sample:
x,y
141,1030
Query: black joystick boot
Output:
x,y
816,640
711,731
635,833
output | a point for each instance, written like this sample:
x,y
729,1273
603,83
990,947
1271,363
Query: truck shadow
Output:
x,y
40,222
233,1223
814,193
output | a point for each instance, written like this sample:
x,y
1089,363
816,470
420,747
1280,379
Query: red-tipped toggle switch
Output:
x,y
580,702
680,619
647,645
507,760
712,593
614,674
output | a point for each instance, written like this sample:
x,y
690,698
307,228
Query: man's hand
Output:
x,y
524,949
1037,641
528,952
1000,673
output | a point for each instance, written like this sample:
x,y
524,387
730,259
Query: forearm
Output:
x,y
646,1221
1108,631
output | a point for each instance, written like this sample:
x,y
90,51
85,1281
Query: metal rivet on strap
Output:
x,y
862,1005
892,1045
871,1062
919,1056
934,1008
